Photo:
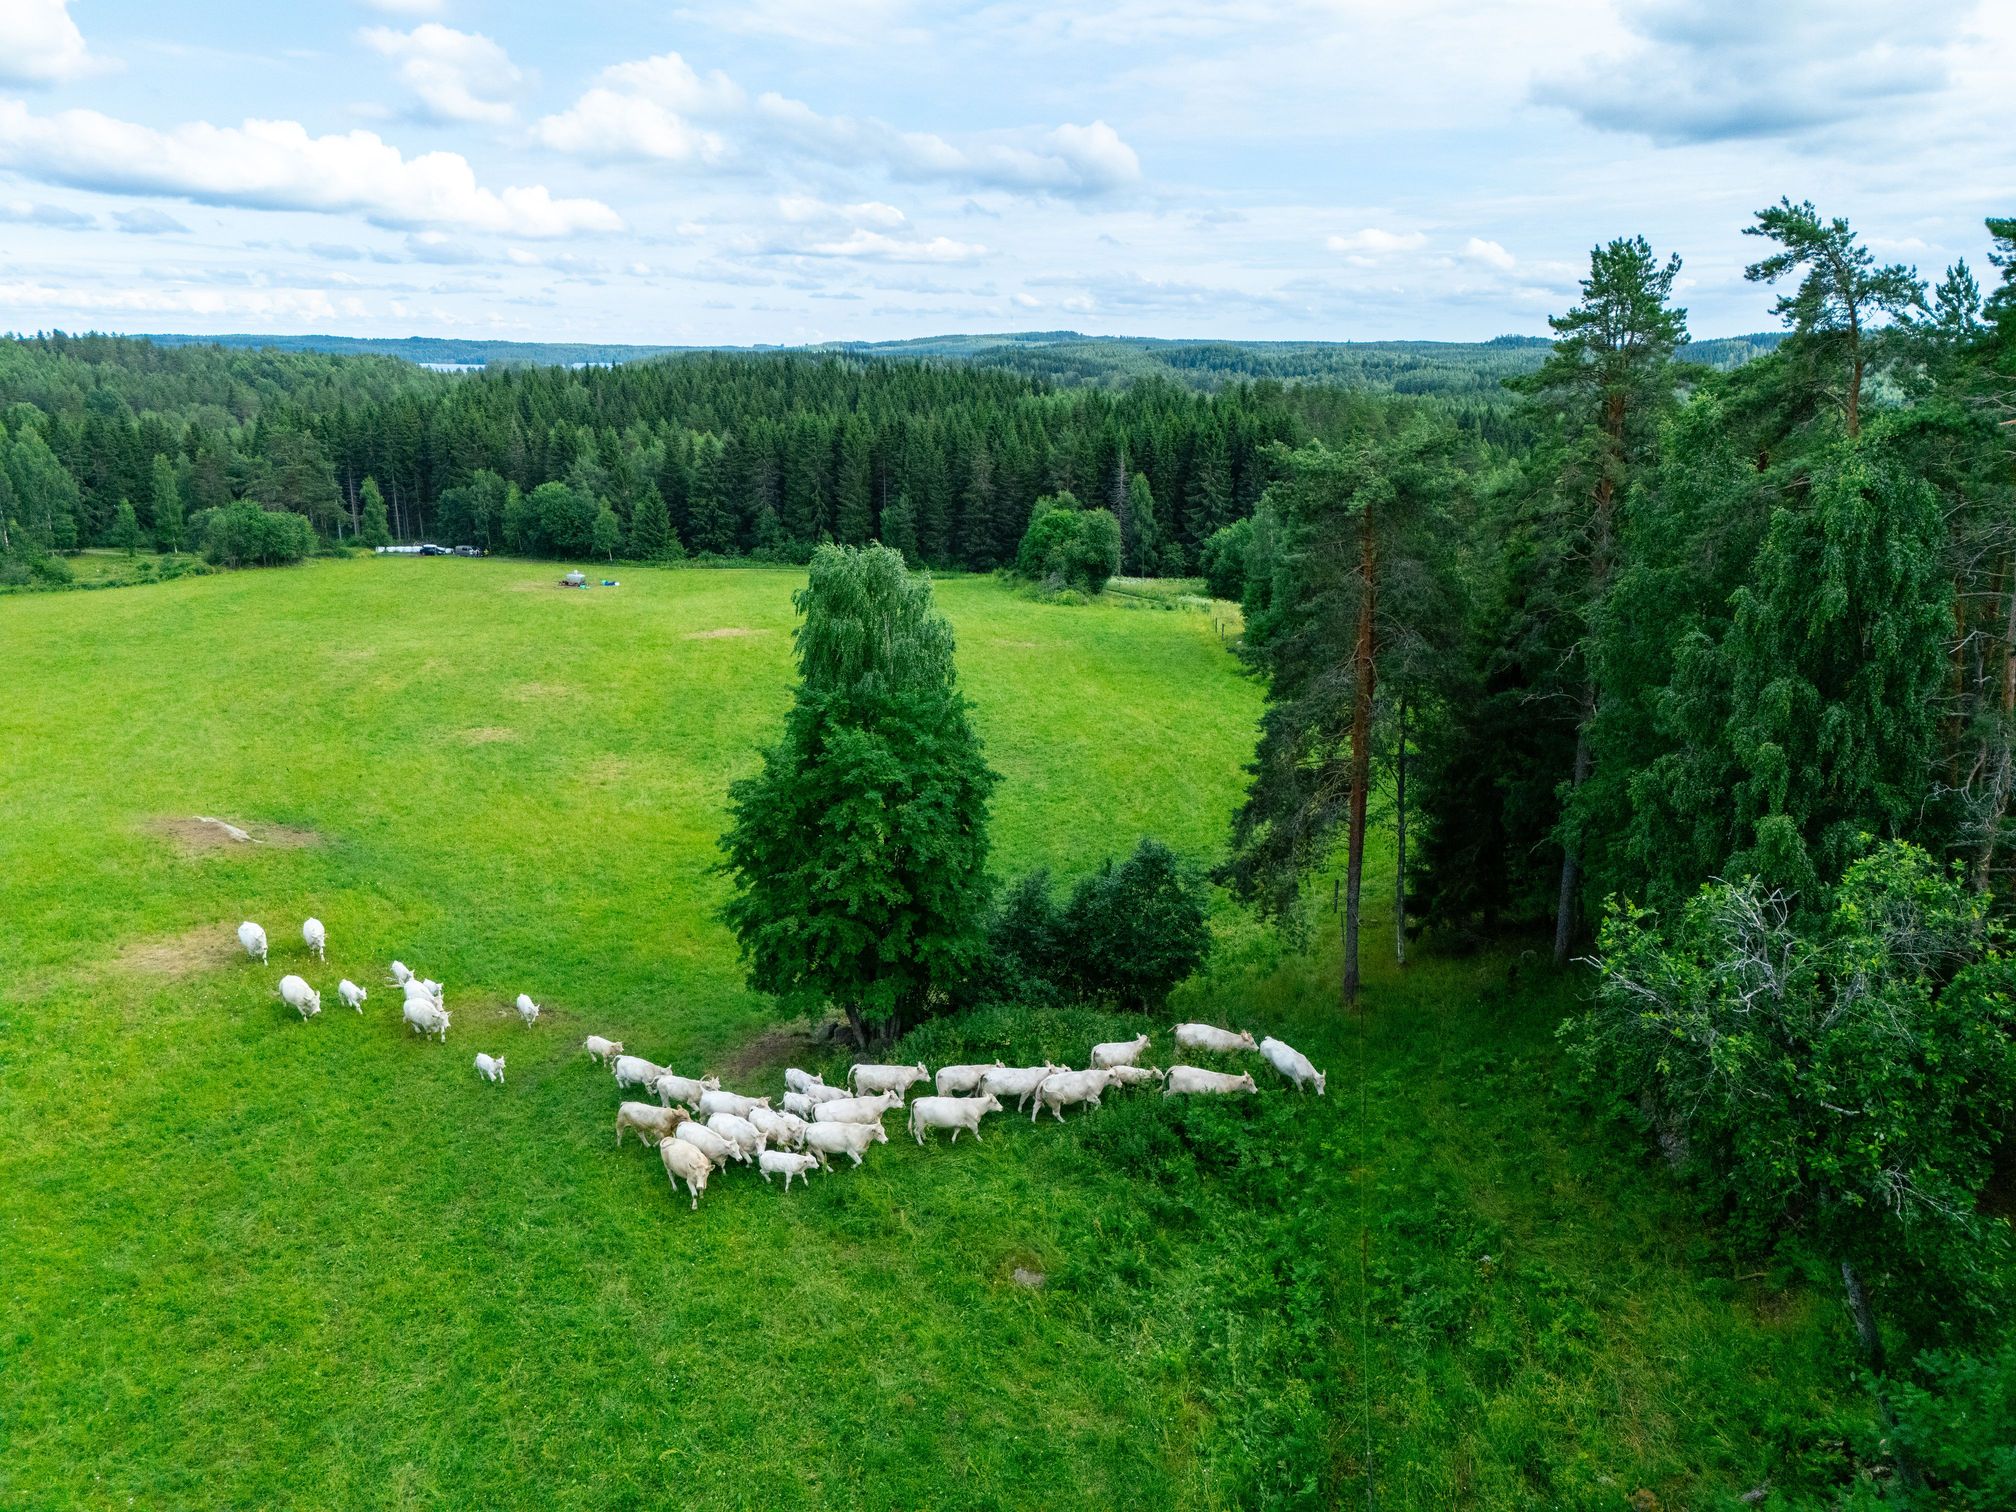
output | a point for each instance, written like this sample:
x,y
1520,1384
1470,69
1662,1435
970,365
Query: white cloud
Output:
x,y
1717,70
458,76
1489,253
40,43
26,213
157,298
661,109
803,207
1374,242
146,221
277,165
880,247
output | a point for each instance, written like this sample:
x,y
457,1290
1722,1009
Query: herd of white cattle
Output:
x,y
699,1127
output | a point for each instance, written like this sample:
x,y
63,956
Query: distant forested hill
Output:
x,y
1065,357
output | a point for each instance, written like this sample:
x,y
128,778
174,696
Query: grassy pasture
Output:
x,y
254,1263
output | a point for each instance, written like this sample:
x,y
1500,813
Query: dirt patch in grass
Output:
x,y
206,835
726,632
486,734
773,1047
204,948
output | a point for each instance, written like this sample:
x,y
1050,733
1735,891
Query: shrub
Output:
x,y
1127,936
1959,1427
244,534
1066,546
1222,560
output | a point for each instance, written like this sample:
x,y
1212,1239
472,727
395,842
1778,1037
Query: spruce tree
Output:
x,y
125,531
169,528
374,532
650,530
1140,536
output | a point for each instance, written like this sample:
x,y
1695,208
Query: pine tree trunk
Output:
x,y
1400,840
1361,759
1571,857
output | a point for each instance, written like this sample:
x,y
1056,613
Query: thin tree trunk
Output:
x,y
1571,856
1361,759
1871,1339
1400,840
2005,777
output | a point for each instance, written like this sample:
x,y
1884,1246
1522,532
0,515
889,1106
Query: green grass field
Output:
x,y
250,1262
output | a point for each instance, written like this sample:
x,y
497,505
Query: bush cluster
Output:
x,y
1069,547
245,535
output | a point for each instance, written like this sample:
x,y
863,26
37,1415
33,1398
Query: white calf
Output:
x,y
1061,1090
824,1139
253,938
352,994
684,1162
1210,1037
1118,1053
427,1019
819,1092
651,1122
1135,1076
418,991
316,938
791,1165
400,975
299,996
801,1081
1191,1079
864,1079
784,1130
954,1079
602,1049
798,1105
1018,1082
634,1070
859,1110
954,1113
714,1100
739,1132
717,1150
489,1068
527,1009
1292,1064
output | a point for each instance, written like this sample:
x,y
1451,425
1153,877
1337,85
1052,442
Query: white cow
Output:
x,y
253,938
954,1113
791,1165
1135,1076
651,1122
689,1089
527,1009
427,1019
1292,1064
824,1139
954,1079
1210,1037
866,1078
352,994
1191,1079
298,995
819,1092
316,938
739,1132
714,1100
1063,1088
784,1130
800,1081
1118,1053
490,1068
798,1105
861,1110
635,1070
685,1163
1018,1082
400,975
602,1049
717,1150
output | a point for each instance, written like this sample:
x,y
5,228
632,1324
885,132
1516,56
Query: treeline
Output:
x,y
761,455
1715,681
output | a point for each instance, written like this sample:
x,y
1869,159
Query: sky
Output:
x,y
789,171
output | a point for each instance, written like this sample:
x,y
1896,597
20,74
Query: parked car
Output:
x,y
468,551
432,550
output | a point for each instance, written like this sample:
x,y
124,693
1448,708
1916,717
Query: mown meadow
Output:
x,y
251,1262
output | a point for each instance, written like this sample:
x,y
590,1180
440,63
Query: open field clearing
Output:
x,y
256,1262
